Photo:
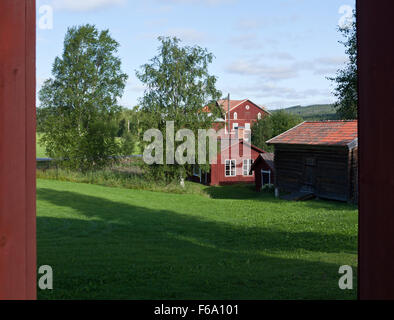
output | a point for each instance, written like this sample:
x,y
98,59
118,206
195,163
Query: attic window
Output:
x,y
235,116
259,116
247,107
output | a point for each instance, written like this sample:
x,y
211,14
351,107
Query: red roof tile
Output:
x,y
319,133
233,104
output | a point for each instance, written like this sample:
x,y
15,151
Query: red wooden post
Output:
x,y
17,149
376,147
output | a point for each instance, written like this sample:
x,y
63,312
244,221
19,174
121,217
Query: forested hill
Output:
x,y
313,112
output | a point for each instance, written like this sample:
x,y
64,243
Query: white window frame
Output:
x,y
196,171
235,116
231,171
259,116
246,126
235,125
248,164
269,177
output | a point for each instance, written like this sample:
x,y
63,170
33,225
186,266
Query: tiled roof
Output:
x,y
235,103
269,159
267,156
340,133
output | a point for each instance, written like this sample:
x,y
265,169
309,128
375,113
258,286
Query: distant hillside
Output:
x,y
313,112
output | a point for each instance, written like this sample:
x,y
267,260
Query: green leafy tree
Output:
x,y
178,86
262,131
80,101
346,79
272,126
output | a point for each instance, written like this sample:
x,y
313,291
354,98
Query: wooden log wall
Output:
x,y
332,179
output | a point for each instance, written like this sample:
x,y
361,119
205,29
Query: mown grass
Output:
x,y
117,243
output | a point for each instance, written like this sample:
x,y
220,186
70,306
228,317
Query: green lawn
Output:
x,y
114,243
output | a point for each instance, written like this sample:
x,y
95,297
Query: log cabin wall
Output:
x,y
324,170
353,175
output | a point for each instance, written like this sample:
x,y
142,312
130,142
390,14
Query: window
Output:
x,y
196,171
265,177
235,116
259,116
230,169
247,166
235,126
247,126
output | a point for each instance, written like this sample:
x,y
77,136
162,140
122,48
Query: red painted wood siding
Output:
x,y
257,173
376,152
246,116
218,176
17,150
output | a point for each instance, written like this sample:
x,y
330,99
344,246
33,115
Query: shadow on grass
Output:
x,y
122,251
248,192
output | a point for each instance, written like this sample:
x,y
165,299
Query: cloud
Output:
x,y
263,66
246,41
282,56
185,34
86,5
273,95
256,68
259,22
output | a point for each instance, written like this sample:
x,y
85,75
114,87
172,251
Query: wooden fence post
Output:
x,y
376,148
17,149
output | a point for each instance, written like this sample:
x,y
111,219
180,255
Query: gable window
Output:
x,y
235,116
230,169
247,166
259,116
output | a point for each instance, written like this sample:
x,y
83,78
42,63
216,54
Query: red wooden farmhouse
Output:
x,y
235,161
242,115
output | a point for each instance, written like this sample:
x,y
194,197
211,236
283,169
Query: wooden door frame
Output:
x,y
376,149
17,149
